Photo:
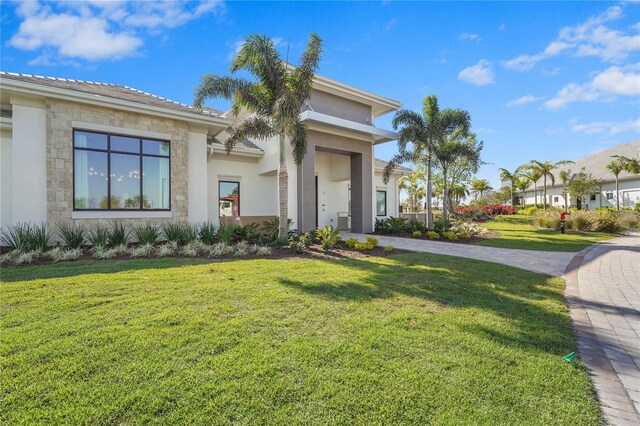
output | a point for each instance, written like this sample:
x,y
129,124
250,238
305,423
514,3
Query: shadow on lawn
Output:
x,y
512,294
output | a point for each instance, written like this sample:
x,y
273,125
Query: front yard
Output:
x,y
518,232
407,339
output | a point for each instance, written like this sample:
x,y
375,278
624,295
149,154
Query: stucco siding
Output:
x,y
336,106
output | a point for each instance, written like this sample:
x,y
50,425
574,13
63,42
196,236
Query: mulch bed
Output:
x,y
314,252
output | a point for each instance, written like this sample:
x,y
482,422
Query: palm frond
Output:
x,y
259,56
253,127
214,86
302,78
298,140
397,160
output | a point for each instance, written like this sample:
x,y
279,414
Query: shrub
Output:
x,y
241,249
433,235
264,251
174,231
351,242
462,234
388,249
16,237
9,256
248,232
226,232
369,244
307,239
481,212
580,222
72,235
99,252
548,220
529,211
451,236
189,250
470,229
271,227
141,251
118,234
26,258
442,225
328,237
167,249
208,232
98,236
416,234
605,221
71,254
220,249
146,234
372,242
391,225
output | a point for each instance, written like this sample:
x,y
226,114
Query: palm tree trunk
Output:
x,y
513,199
283,191
617,195
445,198
429,213
535,194
544,202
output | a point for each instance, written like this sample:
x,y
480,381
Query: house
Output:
x,y
628,184
90,152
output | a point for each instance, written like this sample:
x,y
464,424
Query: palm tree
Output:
x,y
275,100
414,190
511,177
615,167
521,184
545,169
565,176
417,136
479,186
448,150
457,192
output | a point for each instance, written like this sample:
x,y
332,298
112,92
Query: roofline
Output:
x,y
378,135
30,88
384,105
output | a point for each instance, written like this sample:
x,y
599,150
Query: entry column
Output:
x,y
361,192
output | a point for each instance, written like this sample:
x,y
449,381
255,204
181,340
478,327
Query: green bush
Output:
x,y
146,234
529,211
442,225
17,237
416,234
226,232
433,235
388,249
118,234
451,236
72,234
248,232
351,242
547,220
272,227
208,233
98,236
328,237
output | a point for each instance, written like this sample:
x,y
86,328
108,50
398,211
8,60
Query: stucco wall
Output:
x,y
6,189
391,188
336,106
61,116
333,189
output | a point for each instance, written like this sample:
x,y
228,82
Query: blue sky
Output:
x,y
541,80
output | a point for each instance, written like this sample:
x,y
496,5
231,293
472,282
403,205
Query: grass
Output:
x,y
517,232
408,339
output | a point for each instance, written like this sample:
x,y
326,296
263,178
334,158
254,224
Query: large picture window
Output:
x,y
229,198
115,172
381,203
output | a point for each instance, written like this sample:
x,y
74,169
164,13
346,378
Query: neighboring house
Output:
x,y
89,152
629,184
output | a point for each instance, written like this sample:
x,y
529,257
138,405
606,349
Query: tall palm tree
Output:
x,y
274,100
479,186
615,167
545,170
511,177
565,176
417,136
415,191
450,149
457,192
521,184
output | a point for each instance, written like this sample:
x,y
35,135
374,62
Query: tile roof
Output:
x,y
243,144
115,91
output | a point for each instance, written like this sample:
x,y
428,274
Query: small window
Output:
x,y
381,203
609,196
555,199
229,198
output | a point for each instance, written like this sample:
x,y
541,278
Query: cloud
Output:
x,y
590,38
97,30
470,37
610,83
502,27
611,127
390,24
523,100
479,74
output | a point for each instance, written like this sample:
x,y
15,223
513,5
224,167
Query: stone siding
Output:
x,y
61,114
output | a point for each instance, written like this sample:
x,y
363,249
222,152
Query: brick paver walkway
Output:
x,y
546,262
603,290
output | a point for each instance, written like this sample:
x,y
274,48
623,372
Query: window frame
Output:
x,y
108,152
385,202
237,182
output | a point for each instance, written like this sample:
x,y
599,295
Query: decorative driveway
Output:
x,y
546,262
603,290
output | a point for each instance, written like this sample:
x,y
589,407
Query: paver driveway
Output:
x,y
546,262
603,290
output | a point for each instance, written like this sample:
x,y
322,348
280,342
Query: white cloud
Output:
x,y
390,24
479,74
590,38
468,36
97,30
612,127
612,82
523,100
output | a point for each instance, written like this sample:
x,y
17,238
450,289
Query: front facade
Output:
x,y
628,184
91,152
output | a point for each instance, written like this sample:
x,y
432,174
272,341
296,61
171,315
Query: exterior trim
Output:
x,y
378,135
120,131
121,214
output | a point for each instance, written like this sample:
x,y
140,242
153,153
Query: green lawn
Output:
x,y
409,339
517,232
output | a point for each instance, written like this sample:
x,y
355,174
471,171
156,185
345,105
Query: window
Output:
x,y
555,199
593,197
229,197
609,196
381,203
115,172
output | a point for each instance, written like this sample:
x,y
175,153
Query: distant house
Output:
x,y
88,152
629,185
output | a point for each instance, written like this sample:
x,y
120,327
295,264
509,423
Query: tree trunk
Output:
x,y
535,194
429,213
544,202
617,195
283,191
564,191
445,195
513,199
